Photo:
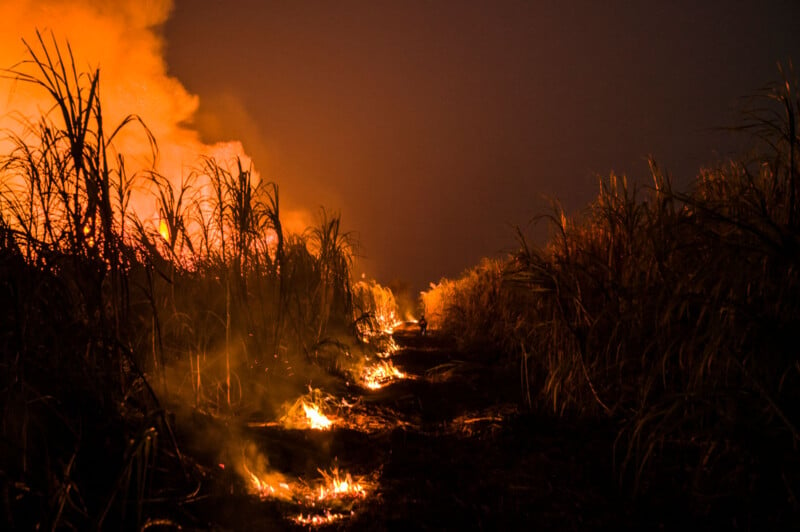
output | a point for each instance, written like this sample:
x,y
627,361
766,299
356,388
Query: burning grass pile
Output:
x,y
379,374
332,496
318,410
314,410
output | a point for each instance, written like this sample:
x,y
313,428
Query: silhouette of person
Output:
x,y
423,325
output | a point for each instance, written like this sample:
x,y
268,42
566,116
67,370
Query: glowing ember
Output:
x,y
484,422
318,520
316,419
380,374
372,419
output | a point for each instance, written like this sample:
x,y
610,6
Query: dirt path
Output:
x,y
451,450
474,460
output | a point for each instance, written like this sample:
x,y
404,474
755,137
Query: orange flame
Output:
x,y
340,487
379,375
389,348
324,499
163,230
266,486
127,46
307,413
316,419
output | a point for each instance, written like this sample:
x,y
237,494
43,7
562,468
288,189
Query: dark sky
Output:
x,y
434,127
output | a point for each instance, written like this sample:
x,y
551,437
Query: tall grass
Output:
x,y
69,374
672,314
109,318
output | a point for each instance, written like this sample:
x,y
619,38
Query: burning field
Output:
x,y
180,351
417,450
339,460
328,495
195,354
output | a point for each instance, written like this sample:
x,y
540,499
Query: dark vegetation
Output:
x,y
640,369
671,316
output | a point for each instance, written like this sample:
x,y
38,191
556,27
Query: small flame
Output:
x,y
163,230
340,487
307,413
379,375
316,419
264,488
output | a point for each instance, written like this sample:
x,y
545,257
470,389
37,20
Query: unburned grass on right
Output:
x,y
673,315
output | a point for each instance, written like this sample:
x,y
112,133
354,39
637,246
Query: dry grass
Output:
x,y
673,314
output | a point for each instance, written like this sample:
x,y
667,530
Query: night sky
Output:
x,y
435,127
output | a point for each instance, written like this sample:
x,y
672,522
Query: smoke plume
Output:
x,y
123,40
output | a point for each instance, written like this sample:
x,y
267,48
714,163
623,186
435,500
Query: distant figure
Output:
x,y
423,325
